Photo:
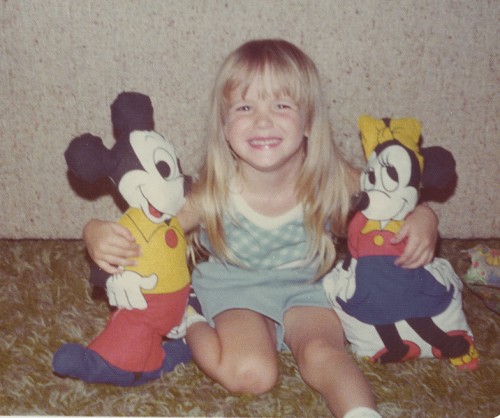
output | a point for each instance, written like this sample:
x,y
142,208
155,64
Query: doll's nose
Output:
x,y
360,201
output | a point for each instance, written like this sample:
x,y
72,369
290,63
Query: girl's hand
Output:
x,y
421,230
110,245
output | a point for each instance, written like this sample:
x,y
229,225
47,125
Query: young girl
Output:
x,y
273,189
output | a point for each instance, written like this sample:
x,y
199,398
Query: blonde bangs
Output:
x,y
288,69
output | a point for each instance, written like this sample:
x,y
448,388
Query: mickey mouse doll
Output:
x,y
144,167
389,313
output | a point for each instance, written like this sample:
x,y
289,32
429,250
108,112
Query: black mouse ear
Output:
x,y
88,158
439,167
131,111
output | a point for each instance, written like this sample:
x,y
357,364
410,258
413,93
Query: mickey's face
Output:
x,y
387,182
158,187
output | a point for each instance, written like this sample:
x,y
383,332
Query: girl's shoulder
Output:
x,y
189,216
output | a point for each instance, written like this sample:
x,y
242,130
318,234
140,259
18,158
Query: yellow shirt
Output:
x,y
163,248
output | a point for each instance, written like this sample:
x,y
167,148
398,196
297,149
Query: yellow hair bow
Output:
x,y
376,131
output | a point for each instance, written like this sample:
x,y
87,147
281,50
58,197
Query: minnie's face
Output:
x,y
386,181
157,188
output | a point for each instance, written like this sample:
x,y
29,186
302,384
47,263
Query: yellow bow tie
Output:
x,y
392,226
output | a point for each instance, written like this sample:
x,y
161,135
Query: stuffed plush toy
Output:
x,y
483,275
144,167
392,314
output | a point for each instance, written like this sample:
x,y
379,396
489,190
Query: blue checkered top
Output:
x,y
260,242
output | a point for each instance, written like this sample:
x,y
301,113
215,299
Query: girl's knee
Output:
x,y
251,376
316,353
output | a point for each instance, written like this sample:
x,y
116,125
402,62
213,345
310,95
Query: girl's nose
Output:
x,y
263,118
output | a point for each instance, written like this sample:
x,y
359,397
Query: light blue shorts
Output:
x,y
271,293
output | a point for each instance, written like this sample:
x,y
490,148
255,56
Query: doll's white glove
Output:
x,y
180,330
124,289
443,272
340,283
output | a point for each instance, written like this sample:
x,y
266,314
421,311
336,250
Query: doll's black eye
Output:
x,y
163,168
392,172
371,176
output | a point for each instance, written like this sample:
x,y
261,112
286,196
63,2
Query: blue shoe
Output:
x,y
176,352
74,360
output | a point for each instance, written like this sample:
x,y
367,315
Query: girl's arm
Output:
x,y
189,217
113,247
421,230
110,245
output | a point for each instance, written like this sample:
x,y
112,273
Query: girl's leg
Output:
x,y
239,353
316,339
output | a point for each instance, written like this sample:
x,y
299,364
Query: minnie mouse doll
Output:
x,y
389,313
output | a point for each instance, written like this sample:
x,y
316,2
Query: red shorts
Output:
x,y
132,339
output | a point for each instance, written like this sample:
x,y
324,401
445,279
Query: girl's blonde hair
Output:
x,y
325,183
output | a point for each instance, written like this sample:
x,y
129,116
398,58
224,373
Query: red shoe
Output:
x,y
469,361
413,352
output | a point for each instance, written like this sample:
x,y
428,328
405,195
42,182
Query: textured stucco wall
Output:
x,y
63,62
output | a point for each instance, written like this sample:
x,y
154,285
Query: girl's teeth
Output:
x,y
266,143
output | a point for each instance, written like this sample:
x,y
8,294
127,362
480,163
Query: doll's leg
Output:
x,y
129,350
450,346
127,341
395,348
132,338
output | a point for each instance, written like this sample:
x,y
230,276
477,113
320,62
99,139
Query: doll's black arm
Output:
x,y
98,276
347,261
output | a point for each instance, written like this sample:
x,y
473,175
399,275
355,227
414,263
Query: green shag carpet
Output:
x,y
46,301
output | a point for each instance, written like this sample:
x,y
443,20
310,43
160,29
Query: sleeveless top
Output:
x,y
262,242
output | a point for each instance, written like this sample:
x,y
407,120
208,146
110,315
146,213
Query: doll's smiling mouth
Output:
x,y
404,205
154,212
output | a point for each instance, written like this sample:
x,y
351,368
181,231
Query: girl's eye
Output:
x,y
243,108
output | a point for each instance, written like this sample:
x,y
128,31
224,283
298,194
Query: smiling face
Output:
x,y
387,182
264,130
157,188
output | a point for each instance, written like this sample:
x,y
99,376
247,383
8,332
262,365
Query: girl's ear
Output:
x,y
439,167
88,159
